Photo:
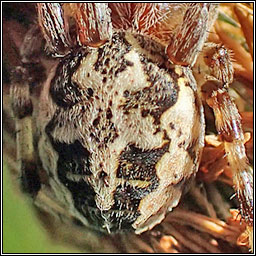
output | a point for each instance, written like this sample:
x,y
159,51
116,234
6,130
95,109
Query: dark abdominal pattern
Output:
x,y
136,171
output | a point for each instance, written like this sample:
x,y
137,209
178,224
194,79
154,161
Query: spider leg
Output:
x,y
191,34
23,80
154,19
94,26
54,27
228,123
137,16
215,72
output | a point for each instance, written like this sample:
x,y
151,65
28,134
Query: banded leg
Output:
x,y
54,27
215,72
192,33
24,78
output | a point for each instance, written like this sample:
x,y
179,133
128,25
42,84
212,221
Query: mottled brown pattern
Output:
x,y
110,53
192,151
139,164
110,114
111,136
63,90
156,99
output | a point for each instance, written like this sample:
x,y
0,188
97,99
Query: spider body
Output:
x,y
127,129
119,118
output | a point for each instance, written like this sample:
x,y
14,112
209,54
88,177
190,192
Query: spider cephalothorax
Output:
x,y
119,121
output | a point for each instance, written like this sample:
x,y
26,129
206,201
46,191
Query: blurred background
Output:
x,y
22,232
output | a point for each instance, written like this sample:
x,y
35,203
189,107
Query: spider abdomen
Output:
x,y
125,131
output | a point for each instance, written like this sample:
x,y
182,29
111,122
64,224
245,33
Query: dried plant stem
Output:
x,y
202,200
246,21
215,227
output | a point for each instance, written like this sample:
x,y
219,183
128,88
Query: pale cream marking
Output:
x,y
154,207
178,70
133,41
174,164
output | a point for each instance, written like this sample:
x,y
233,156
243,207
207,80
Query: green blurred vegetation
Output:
x,y
22,232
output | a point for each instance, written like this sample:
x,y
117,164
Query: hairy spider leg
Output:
x,y
214,72
24,78
93,22
136,16
192,33
54,26
157,20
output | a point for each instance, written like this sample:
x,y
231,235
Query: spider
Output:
x,y
110,117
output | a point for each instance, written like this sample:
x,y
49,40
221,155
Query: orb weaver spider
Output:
x,y
111,127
